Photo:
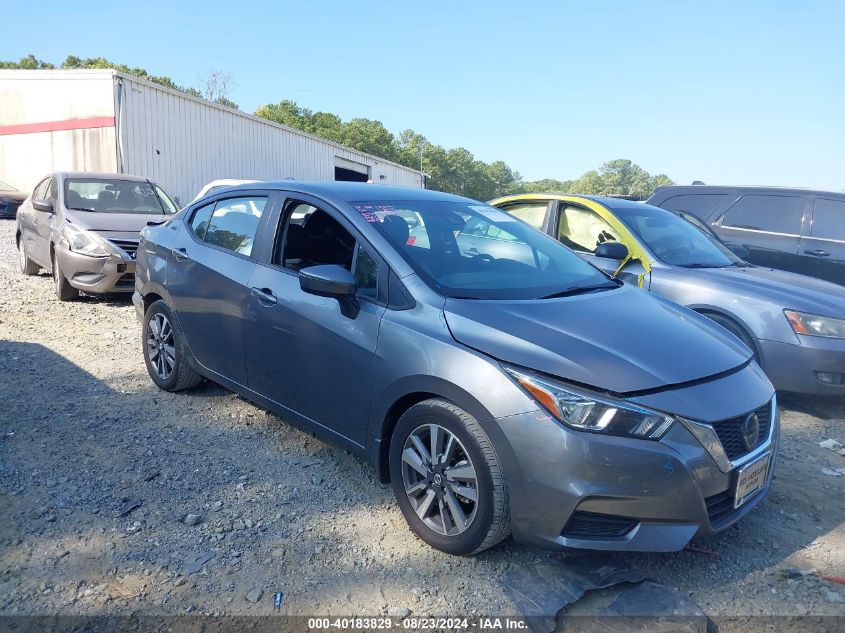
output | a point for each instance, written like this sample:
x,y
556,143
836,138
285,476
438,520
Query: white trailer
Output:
x,y
107,121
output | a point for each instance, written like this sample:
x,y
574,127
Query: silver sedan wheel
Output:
x,y
161,348
439,479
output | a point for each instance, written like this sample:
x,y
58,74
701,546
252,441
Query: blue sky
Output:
x,y
746,92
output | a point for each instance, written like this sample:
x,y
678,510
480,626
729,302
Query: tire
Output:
x,y
736,329
28,267
434,498
64,291
165,353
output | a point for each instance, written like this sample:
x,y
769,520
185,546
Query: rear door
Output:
x,y
303,351
823,242
769,226
208,272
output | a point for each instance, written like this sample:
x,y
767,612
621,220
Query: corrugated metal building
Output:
x,y
106,121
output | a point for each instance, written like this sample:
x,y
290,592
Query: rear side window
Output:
x,y
234,224
701,205
828,219
533,213
199,222
775,214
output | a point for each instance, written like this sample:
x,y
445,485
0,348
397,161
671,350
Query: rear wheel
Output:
x,y
165,352
447,479
64,291
28,267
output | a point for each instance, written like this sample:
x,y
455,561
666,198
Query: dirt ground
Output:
x,y
85,435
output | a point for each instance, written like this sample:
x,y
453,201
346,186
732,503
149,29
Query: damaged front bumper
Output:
x,y
96,275
571,489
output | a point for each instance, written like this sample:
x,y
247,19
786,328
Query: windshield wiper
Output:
x,y
81,209
700,265
578,290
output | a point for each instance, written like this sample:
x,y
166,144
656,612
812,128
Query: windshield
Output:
x,y
474,251
676,241
117,196
6,187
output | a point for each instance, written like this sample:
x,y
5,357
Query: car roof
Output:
x,y
99,176
674,190
353,191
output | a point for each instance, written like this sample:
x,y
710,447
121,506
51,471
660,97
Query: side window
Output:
x,y
366,273
775,214
533,213
199,221
583,230
312,237
701,205
53,190
234,223
40,190
828,219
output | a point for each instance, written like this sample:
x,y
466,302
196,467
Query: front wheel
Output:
x,y
165,352
447,479
64,291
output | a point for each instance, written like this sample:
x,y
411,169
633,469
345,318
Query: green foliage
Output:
x,y
27,63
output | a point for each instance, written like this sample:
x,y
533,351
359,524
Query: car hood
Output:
x,y
113,222
17,196
785,289
622,340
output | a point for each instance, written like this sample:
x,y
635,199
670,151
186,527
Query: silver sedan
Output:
x,y
794,324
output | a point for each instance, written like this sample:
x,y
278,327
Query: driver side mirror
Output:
x,y
612,250
43,204
331,280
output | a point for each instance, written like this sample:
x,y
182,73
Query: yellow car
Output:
x,y
794,325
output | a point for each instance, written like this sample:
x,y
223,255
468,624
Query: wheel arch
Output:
x,y
402,396
742,324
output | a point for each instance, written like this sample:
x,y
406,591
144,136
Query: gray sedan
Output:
x,y
795,325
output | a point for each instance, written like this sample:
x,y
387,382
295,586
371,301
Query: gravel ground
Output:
x,y
86,436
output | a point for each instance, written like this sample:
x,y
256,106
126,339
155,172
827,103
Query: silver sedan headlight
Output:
x,y
585,411
815,325
85,243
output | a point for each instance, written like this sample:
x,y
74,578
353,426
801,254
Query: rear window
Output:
x,y
773,214
828,219
701,205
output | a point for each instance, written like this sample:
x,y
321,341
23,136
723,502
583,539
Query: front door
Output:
x,y
303,352
823,243
583,230
208,271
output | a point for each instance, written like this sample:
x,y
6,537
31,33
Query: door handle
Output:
x,y
179,254
264,296
817,252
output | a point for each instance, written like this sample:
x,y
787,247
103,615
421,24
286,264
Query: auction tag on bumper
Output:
x,y
750,478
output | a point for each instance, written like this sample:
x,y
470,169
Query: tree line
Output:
x,y
454,170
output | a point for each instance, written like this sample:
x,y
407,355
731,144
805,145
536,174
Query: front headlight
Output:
x,y
585,411
814,325
85,243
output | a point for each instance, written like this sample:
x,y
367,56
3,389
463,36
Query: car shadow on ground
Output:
x,y
80,451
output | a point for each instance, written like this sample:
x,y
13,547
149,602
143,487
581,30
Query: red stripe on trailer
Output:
x,y
57,126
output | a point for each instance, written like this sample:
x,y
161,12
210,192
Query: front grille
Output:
x,y
730,432
592,525
130,246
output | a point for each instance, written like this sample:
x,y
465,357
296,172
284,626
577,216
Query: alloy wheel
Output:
x,y
161,347
439,479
